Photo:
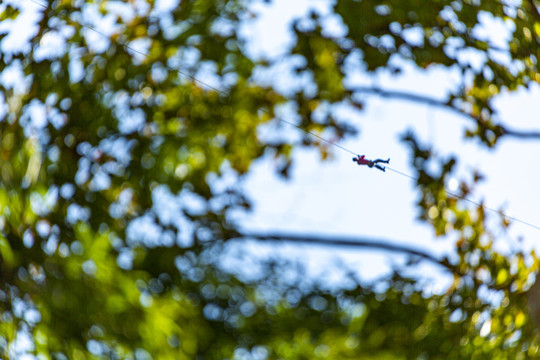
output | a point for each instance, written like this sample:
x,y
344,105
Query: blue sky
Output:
x,y
338,197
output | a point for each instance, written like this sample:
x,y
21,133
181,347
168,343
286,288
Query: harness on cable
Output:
x,y
361,160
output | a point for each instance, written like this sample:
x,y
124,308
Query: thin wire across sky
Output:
x,y
332,143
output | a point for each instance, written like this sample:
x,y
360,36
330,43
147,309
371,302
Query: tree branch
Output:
x,y
402,95
355,242
422,99
522,134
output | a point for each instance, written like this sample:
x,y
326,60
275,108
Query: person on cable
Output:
x,y
361,160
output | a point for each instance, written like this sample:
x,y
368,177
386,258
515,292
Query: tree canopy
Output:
x,y
114,152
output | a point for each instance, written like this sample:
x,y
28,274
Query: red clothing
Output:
x,y
361,160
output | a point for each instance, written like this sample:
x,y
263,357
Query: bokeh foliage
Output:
x,y
113,217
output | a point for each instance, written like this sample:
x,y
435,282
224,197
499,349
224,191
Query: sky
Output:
x,y
337,197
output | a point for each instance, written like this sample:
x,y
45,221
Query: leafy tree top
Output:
x,y
111,223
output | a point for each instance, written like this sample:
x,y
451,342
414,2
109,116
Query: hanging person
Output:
x,y
361,160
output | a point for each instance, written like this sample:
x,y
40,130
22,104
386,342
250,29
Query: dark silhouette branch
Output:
x,y
426,100
354,242
521,134
407,96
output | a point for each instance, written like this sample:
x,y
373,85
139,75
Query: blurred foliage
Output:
x,y
114,203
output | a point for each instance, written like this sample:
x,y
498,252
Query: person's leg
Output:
x,y
380,167
381,160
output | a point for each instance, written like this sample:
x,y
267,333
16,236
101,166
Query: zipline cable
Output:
x,y
500,213
317,136
471,201
206,84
